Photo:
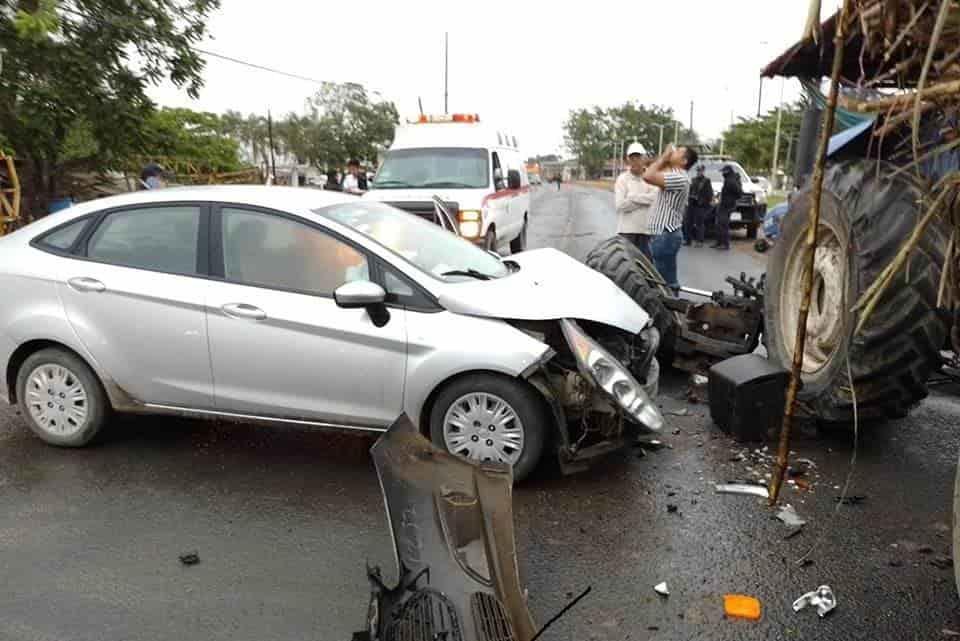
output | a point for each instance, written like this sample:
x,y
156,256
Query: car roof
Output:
x,y
258,195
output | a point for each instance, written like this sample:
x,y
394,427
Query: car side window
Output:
x,y
156,238
499,175
401,292
266,250
62,239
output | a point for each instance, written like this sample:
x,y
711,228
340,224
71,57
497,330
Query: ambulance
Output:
x,y
475,169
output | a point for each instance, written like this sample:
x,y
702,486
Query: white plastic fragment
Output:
x,y
742,488
661,588
822,598
789,515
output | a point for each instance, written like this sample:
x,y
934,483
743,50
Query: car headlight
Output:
x,y
607,373
761,198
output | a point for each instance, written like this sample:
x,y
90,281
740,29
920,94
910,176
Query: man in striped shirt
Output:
x,y
669,173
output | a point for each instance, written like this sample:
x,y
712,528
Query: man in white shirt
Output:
x,y
633,198
351,182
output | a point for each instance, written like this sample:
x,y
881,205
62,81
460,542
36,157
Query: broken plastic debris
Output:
x,y
789,515
662,589
190,558
699,380
683,411
742,488
822,598
742,607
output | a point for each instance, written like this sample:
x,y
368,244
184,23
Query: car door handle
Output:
x,y
243,311
84,284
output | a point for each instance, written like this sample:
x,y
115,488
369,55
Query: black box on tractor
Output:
x,y
747,395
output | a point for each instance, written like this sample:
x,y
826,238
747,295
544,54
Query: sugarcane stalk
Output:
x,y
813,227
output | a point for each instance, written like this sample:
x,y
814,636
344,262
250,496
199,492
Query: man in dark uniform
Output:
x,y
732,192
701,197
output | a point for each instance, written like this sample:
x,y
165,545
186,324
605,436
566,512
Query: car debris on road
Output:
x,y
742,488
662,589
822,599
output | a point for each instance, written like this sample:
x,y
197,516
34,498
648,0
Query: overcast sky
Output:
x,y
521,65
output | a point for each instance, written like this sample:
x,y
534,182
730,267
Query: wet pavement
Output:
x,y
283,521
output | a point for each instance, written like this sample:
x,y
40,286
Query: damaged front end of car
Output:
x,y
600,383
452,528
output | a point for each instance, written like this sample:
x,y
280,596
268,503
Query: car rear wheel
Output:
x,y
519,243
61,398
489,418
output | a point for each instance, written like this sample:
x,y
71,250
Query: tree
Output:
x,y
192,137
595,135
750,141
70,93
587,136
342,122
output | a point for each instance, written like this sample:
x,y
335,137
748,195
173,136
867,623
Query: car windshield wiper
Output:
x,y
473,273
448,184
391,183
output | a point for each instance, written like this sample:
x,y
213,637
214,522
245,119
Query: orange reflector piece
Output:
x,y
742,607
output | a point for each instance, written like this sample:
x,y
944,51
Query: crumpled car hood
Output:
x,y
549,286
452,526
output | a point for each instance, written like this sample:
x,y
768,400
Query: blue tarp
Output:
x,y
845,137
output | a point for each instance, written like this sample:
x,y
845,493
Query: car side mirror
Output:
x,y
513,179
362,294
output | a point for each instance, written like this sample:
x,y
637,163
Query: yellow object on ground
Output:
x,y
742,607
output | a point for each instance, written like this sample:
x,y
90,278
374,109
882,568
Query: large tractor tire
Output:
x,y
864,222
619,260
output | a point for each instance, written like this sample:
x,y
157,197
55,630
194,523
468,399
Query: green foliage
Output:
x,y
750,141
70,64
342,122
39,23
194,137
593,135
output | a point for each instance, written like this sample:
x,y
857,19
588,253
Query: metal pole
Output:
x,y
273,161
760,97
676,133
660,150
776,140
446,69
420,104
811,248
691,116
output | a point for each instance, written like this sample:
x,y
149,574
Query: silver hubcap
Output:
x,y
483,427
825,322
56,400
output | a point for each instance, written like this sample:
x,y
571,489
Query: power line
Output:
x,y
256,66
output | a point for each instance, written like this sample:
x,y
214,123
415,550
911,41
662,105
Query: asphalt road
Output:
x,y
284,520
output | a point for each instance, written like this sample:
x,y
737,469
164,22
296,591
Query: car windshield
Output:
x,y
713,171
433,167
425,245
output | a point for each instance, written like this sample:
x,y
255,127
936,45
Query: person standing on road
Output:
x,y
351,182
732,192
669,173
559,180
701,198
633,197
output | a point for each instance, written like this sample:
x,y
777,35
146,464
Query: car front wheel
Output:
x,y
61,398
484,418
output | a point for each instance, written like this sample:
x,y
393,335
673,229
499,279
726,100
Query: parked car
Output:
x,y
534,179
316,308
763,183
473,167
751,208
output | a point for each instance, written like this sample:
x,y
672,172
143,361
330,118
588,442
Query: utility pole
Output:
x,y
273,162
691,116
776,140
660,150
420,104
446,70
676,133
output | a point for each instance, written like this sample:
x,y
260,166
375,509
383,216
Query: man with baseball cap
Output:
x,y
633,198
